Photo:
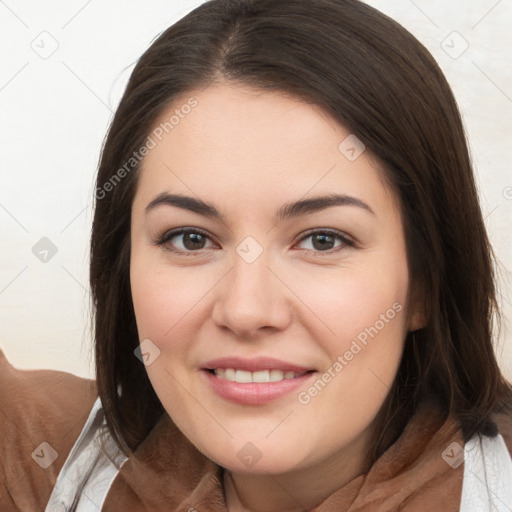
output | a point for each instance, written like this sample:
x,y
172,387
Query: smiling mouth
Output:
x,y
257,387
259,376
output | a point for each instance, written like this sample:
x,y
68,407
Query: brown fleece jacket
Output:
x,y
166,472
37,406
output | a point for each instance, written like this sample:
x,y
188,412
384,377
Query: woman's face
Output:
x,y
273,328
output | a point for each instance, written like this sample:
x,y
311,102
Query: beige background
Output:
x,y
56,108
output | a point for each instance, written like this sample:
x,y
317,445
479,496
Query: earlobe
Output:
x,y
417,312
417,320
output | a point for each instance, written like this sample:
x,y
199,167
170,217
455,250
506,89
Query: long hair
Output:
x,y
377,80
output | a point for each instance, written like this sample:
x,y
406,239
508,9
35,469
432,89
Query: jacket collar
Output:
x,y
167,472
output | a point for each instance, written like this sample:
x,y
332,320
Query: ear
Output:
x,y
417,317
416,321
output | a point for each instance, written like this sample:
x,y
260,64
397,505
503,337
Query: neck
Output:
x,y
297,490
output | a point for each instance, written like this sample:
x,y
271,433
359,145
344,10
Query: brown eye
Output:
x,y
184,240
324,241
193,241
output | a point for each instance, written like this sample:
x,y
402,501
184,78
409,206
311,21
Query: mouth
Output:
x,y
259,376
255,381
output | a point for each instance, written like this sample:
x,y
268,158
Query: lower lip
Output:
x,y
254,393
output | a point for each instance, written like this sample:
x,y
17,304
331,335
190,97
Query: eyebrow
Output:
x,y
287,211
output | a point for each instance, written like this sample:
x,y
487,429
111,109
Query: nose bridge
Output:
x,y
252,297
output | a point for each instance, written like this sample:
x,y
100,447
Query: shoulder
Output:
x,y
42,413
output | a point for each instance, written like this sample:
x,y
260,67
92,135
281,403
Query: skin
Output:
x,y
249,152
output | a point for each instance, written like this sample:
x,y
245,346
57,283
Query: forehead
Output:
x,y
259,145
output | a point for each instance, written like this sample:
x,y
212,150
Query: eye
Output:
x,y
324,241
188,241
184,240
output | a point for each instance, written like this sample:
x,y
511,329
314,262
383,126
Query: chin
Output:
x,y
257,459
272,466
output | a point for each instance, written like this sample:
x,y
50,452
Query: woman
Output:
x,y
293,286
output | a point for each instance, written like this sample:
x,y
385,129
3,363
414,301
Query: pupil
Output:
x,y
324,239
194,239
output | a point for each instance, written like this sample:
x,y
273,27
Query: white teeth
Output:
x,y
245,377
276,375
261,376
229,374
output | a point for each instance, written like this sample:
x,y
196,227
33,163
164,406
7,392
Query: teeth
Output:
x,y
261,376
245,377
276,375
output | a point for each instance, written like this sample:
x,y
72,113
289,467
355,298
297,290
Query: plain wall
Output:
x,y
64,67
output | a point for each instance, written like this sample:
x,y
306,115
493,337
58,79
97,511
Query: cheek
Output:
x,y
347,304
154,303
167,301
360,323
365,312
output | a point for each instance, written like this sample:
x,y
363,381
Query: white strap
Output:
x,y
487,484
83,454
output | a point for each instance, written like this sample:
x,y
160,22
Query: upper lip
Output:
x,y
255,364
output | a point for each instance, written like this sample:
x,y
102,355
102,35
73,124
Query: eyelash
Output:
x,y
169,235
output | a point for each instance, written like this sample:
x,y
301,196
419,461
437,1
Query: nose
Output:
x,y
252,299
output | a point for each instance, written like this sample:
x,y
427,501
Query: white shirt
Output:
x,y
487,481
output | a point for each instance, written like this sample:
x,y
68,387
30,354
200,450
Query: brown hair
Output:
x,y
377,80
